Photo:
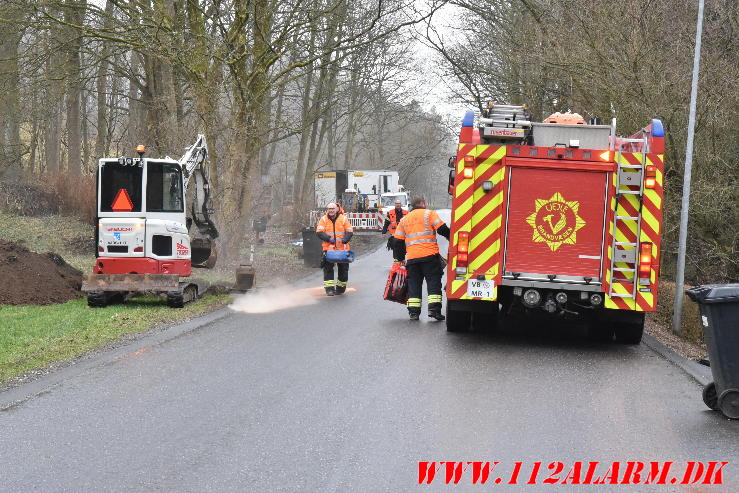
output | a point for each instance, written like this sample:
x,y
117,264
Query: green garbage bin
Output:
x,y
719,307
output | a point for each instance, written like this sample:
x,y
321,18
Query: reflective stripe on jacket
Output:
x,y
335,229
418,230
393,218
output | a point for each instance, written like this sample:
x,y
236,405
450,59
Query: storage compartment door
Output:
x,y
555,223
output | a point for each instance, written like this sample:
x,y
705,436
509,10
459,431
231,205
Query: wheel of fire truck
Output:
x,y
485,321
186,294
599,330
710,396
457,320
630,331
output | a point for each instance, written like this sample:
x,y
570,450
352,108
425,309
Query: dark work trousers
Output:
x,y
328,276
418,271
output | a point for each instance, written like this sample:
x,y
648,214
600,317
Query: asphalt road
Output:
x,y
345,394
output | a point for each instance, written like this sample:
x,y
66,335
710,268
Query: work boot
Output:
x,y
436,314
330,292
415,316
340,290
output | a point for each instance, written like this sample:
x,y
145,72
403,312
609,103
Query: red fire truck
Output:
x,y
560,217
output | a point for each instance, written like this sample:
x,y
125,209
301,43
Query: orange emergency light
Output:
x,y
645,259
469,170
463,243
650,176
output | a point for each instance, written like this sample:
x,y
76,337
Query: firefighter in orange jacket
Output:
x,y
335,230
416,241
391,222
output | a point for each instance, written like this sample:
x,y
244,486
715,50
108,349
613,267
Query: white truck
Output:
x,y
363,194
370,184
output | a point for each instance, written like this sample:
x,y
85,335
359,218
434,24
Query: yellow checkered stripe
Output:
x,y
651,229
480,213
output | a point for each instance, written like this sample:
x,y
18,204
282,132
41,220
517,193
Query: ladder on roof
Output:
x,y
507,116
625,252
505,122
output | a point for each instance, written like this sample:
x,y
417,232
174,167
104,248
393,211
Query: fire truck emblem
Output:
x,y
555,221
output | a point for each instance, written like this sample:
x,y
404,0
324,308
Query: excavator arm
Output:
x,y
203,231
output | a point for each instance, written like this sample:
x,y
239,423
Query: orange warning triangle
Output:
x,y
122,201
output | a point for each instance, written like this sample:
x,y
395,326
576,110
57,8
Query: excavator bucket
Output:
x,y
244,278
245,274
203,253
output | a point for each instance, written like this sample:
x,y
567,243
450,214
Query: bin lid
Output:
x,y
715,293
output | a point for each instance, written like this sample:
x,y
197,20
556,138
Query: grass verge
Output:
x,y
692,329
33,337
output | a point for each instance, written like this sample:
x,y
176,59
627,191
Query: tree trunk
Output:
x,y
74,13
137,108
11,148
101,90
53,97
305,118
85,135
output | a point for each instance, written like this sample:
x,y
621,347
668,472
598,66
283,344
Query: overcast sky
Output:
x,y
431,88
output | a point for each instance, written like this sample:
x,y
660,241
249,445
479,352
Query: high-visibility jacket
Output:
x,y
392,216
336,230
418,230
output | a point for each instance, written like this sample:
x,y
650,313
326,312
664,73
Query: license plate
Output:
x,y
480,289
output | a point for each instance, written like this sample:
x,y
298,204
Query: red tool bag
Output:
x,y
396,288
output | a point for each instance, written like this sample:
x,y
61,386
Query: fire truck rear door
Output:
x,y
555,222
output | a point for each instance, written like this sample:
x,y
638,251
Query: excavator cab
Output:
x,y
147,237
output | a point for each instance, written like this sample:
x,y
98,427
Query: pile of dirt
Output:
x,y
28,278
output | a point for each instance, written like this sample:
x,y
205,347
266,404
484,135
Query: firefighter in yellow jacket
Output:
x,y
416,241
335,230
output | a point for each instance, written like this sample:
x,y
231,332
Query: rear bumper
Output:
x,y
141,265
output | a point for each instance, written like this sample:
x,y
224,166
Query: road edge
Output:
x,y
19,394
698,372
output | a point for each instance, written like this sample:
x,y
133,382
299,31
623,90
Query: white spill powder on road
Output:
x,y
273,299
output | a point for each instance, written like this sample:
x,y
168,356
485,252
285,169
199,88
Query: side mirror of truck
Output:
x,y
452,175
450,164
